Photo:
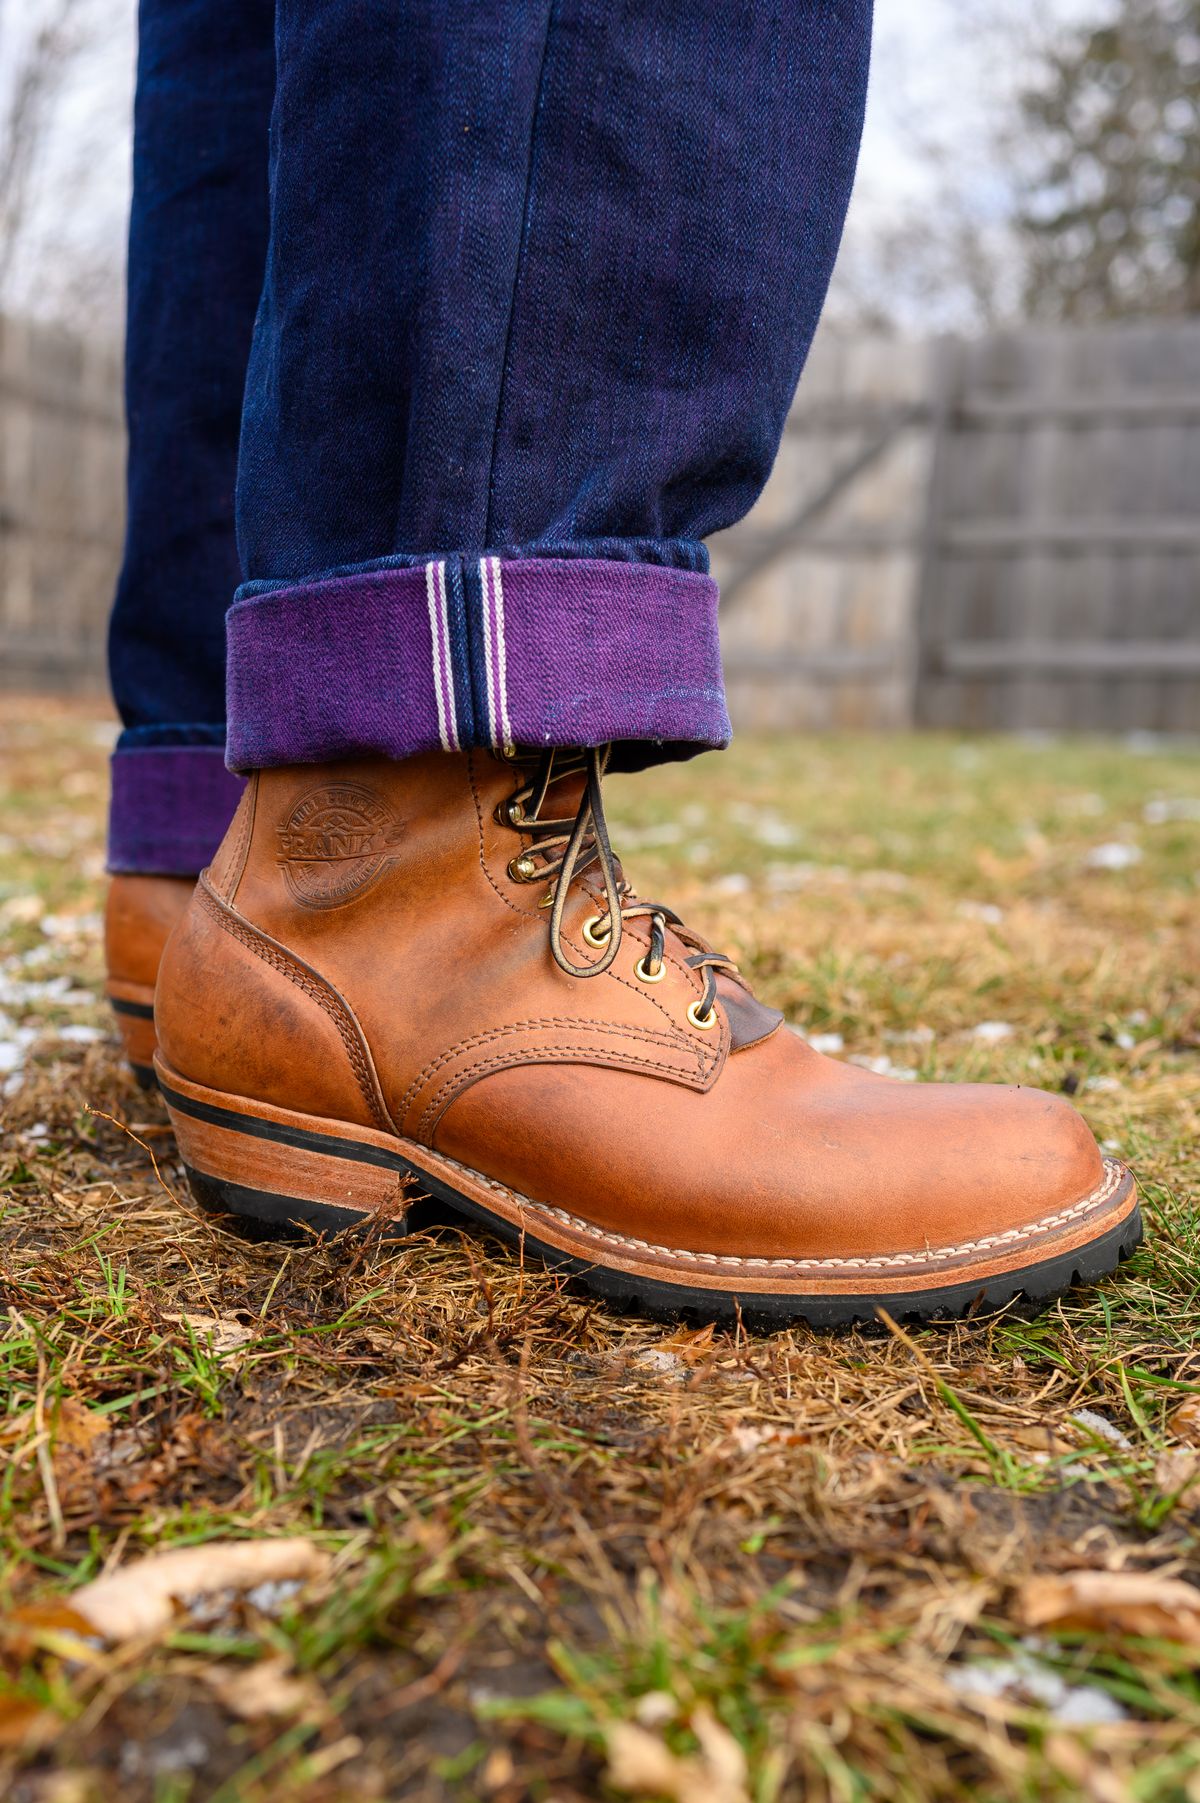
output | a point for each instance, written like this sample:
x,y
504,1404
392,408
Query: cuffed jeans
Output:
x,y
507,300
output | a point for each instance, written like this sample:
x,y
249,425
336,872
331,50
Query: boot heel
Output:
x,y
284,1169
133,1009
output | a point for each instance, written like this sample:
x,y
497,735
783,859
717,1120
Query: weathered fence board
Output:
x,y
1062,583
61,505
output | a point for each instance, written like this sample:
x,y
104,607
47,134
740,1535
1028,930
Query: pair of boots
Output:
x,y
432,978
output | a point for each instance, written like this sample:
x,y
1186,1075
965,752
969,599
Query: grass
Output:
x,y
546,1521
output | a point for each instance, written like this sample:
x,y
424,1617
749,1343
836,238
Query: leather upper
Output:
x,y
138,917
360,949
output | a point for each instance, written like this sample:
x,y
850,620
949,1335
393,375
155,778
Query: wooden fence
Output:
x,y
996,534
61,505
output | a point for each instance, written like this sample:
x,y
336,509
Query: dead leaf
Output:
x,y
1041,1442
1086,1770
1185,1422
746,1439
26,1724
79,1439
141,1598
1128,1602
269,1688
218,1332
52,1626
76,1428
1176,1470
641,1764
498,1771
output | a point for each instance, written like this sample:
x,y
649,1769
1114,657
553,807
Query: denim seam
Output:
x,y
518,271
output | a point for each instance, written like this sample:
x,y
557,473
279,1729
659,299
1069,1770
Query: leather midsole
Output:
x,y
283,1152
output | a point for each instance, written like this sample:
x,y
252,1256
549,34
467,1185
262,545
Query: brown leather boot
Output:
x,y
138,918
432,976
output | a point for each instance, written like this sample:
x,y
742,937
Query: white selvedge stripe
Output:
x,y
495,651
501,652
443,671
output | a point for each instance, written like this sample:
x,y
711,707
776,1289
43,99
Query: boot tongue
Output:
x,y
749,1019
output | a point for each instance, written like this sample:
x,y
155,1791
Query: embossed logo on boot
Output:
x,y
335,844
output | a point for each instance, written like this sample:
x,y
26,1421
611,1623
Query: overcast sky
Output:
x,y
928,77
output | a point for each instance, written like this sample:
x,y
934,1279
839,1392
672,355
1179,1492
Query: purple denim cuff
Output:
x,y
473,651
170,807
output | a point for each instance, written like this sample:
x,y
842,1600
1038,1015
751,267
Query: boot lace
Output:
x,y
564,848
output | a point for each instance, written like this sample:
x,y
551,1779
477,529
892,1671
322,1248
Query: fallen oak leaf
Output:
x,y
641,1764
1129,1602
269,1688
141,1598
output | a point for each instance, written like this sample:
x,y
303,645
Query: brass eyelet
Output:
x,y
515,813
642,969
703,1021
509,753
523,870
592,933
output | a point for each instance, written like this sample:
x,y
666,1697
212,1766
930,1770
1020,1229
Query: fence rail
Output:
x,y
1002,533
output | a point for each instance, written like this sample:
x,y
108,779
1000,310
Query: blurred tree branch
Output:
x,y
1068,188
1108,210
39,66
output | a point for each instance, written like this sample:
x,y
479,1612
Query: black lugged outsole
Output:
x,y
1033,1286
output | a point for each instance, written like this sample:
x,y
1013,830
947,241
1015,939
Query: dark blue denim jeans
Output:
x,y
526,290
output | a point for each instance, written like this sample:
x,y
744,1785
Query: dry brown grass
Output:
x,y
545,1520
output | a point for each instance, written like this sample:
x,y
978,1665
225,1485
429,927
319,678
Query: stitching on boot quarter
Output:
x,y
315,987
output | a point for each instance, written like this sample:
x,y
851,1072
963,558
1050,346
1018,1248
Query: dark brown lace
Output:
x,y
565,848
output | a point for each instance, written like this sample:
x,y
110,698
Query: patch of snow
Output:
x,y
1116,854
1164,808
732,883
991,1032
1101,1426
883,1067
1024,1677
913,1036
71,926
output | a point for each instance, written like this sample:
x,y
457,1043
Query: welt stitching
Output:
x,y
503,1061
1103,1192
312,986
